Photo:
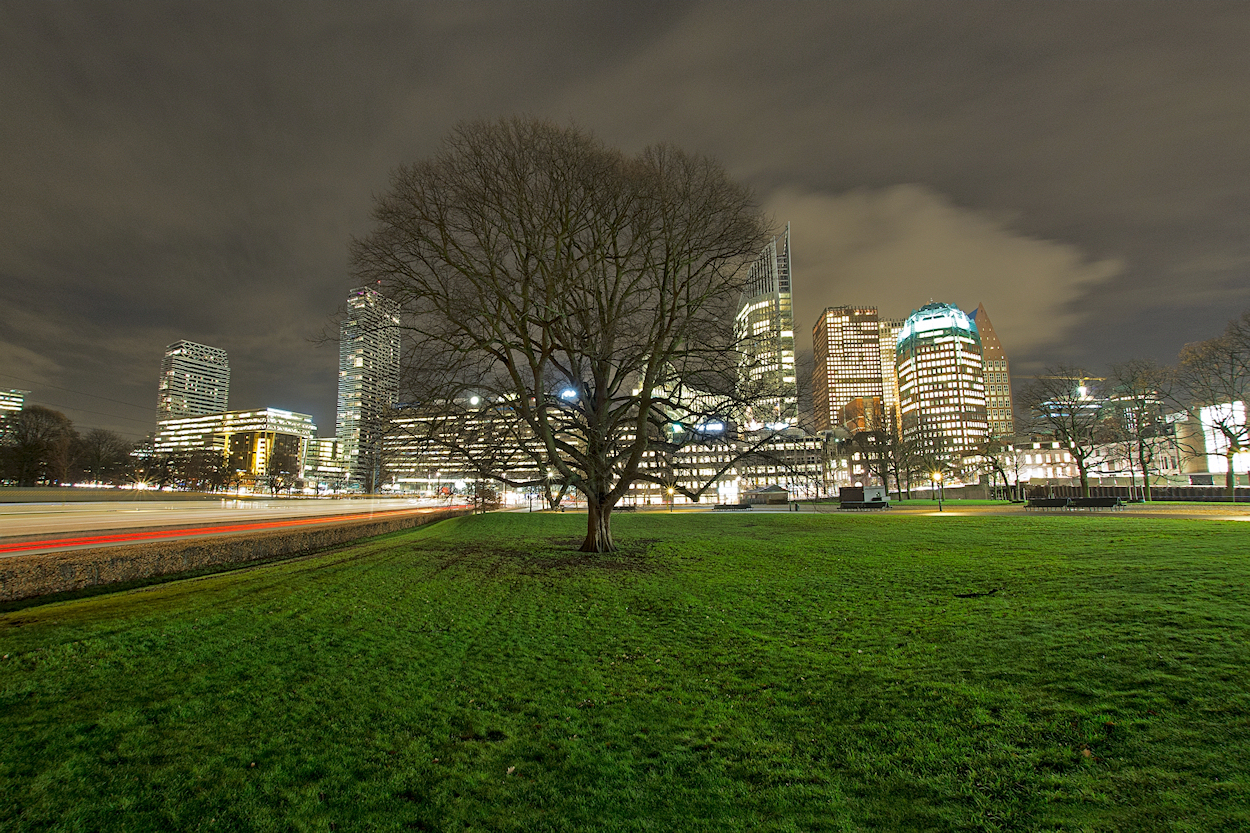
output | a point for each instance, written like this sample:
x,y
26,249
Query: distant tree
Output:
x,y
374,457
1215,375
898,454
996,457
1065,403
281,469
1138,389
103,456
933,460
201,470
36,446
833,457
590,293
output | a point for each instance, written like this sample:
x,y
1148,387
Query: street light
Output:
x,y
937,481
671,492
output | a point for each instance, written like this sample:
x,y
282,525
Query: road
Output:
x,y
50,527
27,528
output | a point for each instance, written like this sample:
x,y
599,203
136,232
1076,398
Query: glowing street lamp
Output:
x,y
671,493
937,481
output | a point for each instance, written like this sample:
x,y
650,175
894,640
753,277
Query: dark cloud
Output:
x,y
195,170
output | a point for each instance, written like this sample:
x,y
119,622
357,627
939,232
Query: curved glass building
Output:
x,y
941,380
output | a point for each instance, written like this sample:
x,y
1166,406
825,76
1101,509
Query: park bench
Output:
x,y
864,504
730,506
1049,503
1097,503
625,507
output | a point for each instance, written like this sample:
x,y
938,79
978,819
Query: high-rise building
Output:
x,y
12,400
889,330
369,347
195,380
764,326
846,346
999,408
940,380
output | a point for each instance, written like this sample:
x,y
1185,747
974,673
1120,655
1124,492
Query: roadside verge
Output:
x,y
25,577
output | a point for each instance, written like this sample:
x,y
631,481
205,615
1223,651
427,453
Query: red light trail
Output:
x,y
24,547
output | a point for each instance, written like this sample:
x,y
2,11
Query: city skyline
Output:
x,y
197,171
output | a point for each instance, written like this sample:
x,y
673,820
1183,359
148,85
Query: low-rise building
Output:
x,y
253,442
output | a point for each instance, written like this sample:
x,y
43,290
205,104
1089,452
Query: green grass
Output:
x,y
771,672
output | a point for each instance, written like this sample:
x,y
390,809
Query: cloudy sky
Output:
x,y
196,169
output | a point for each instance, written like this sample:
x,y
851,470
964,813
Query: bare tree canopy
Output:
x,y
1138,389
1214,376
583,293
1066,403
36,446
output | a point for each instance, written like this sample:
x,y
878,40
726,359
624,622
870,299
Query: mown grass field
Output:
x,y
769,672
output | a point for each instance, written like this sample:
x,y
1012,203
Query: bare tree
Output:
x,y
1065,403
281,469
1213,380
589,294
103,455
1138,390
36,445
995,456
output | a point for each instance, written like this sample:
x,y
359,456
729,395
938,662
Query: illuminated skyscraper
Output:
x,y
368,382
12,400
999,409
940,380
846,346
764,326
195,380
889,330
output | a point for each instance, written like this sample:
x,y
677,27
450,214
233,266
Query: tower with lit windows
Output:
x,y
369,345
12,400
846,346
764,327
195,380
940,380
888,330
999,408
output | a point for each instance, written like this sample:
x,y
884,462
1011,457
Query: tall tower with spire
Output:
x,y
764,326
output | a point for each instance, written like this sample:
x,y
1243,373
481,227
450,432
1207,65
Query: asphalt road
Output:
x,y
51,527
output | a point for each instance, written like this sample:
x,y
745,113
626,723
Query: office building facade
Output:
x,y
846,347
999,405
889,328
941,381
369,353
12,400
764,327
251,442
195,380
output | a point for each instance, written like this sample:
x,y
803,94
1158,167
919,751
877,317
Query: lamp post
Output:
x,y
937,481
671,492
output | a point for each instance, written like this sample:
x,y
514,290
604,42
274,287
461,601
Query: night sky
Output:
x,y
196,169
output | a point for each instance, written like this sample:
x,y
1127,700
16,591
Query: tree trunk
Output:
x,y
1084,480
1145,472
1230,476
598,527
1132,477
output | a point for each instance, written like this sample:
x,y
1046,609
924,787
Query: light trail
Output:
x,y
140,536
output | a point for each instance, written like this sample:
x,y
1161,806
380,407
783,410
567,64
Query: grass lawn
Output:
x,y
771,672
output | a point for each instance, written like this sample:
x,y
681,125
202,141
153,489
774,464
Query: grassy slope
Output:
x,y
772,672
